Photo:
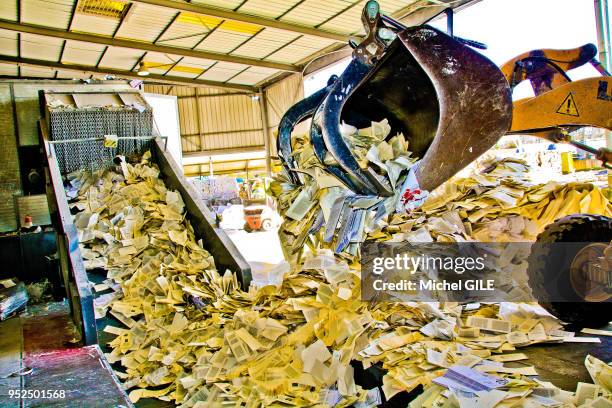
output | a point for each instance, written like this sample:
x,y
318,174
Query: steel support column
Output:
x,y
263,104
602,18
198,118
602,22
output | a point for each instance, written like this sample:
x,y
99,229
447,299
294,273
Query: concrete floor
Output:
x,y
563,364
263,246
41,345
262,250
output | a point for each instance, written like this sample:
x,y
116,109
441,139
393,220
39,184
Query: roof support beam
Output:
x,y
245,18
228,150
188,173
138,45
154,78
209,96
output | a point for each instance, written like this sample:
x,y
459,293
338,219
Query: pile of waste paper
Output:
x,y
188,333
497,202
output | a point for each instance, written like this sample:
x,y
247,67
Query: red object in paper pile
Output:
x,y
409,195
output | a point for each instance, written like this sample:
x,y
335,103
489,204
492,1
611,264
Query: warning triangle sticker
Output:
x,y
568,107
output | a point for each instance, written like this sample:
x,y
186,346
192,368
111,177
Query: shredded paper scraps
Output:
x,y
188,333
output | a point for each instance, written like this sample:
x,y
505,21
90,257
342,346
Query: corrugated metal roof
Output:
x,y
197,62
265,43
300,49
71,75
247,77
223,71
158,63
184,72
55,13
37,72
92,24
223,41
345,22
268,8
169,26
78,52
39,47
8,10
8,42
315,12
120,58
8,69
183,33
349,21
223,4
144,22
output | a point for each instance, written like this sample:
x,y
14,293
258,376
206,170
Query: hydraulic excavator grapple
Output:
x,y
453,104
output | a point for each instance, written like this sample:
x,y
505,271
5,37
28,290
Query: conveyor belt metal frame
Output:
x,y
75,278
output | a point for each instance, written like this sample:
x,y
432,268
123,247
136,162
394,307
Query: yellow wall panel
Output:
x,y
225,120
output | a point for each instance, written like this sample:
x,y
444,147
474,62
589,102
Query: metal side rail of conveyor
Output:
x,y
72,131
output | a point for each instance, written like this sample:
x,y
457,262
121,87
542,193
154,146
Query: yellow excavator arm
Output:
x,y
587,102
547,69
561,105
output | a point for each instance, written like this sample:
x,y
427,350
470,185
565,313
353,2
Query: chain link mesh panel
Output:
x,y
94,123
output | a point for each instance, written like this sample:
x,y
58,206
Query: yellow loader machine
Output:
x,y
453,104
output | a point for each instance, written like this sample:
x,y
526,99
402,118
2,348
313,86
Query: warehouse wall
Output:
x,y
19,114
10,179
216,119
224,120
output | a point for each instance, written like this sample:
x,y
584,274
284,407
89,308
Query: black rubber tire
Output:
x,y
549,269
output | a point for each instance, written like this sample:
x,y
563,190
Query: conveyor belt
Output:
x,y
130,125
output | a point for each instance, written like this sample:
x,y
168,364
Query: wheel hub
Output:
x,y
591,274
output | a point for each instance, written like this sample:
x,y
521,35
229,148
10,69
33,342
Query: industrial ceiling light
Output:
x,y
142,70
